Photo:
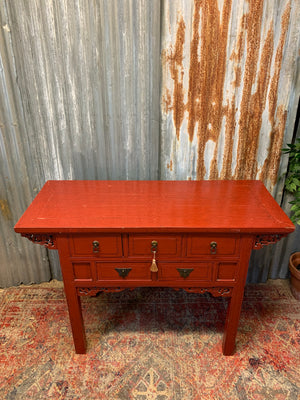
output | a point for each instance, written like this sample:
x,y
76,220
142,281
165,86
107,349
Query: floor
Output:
x,y
147,344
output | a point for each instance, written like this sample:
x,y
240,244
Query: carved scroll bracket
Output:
x,y
214,291
93,291
44,240
264,240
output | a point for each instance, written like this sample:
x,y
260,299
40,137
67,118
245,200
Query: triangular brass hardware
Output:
x,y
123,272
185,272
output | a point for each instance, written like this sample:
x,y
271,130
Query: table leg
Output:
x,y
235,302
232,321
75,314
73,300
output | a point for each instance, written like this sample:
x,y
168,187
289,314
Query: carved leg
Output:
x,y
75,314
232,321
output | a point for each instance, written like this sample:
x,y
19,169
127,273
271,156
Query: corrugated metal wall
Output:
x,y
228,81
230,88
141,90
80,100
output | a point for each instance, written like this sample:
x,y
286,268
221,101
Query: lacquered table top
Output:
x,y
216,206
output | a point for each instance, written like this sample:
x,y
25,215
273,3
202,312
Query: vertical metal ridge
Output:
x,y
80,101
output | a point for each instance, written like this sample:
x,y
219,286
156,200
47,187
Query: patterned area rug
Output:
x,y
149,344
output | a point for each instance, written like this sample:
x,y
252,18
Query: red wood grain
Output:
x,y
215,206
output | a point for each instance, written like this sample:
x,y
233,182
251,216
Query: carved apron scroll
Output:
x,y
44,240
264,240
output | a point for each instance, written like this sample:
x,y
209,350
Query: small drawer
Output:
x,y
212,245
123,271
226,272
96,245
186,272
167,246
82,271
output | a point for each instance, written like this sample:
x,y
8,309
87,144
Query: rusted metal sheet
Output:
x,y
228,87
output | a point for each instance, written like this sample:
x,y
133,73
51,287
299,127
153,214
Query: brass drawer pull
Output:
x,y
123,272
213,247
185,272
154,245
95,246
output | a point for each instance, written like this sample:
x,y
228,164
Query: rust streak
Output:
x,y
170,165
166,101
257,105
238,76
229,136
206,77
248,138
194,91
271,164
5,210
231,109
278,59
222,64
175,59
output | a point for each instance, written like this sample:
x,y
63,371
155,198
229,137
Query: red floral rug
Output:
x,y
147,344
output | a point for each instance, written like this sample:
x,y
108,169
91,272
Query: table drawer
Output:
x,y
82,271
95,245
226,272
186,272
198,245
140,245
123,271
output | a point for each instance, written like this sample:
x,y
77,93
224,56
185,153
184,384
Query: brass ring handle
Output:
x,y
154,245
213,247
95,246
